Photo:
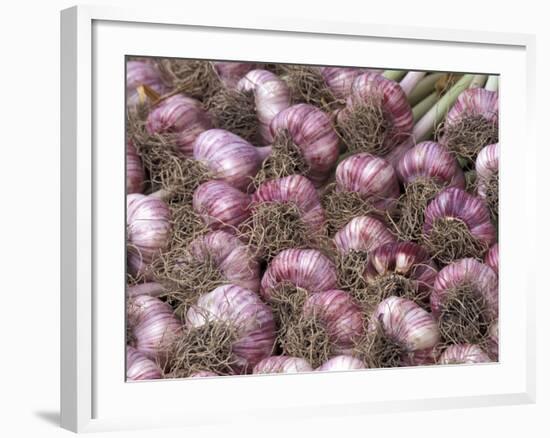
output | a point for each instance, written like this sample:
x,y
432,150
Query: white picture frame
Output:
x,y
94,396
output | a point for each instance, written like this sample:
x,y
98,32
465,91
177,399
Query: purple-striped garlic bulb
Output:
x,y
365,184
424,170
178,120
492,259
400,269
329,324
139,367
471,123
231,73
203,374
304,142
487,177
210,260
135,175
463,354
340,79
228,331
464,300
228,157
141,73
152,327
282,365
353,243
221,206
492,341
248,108
342,362
457,225
398,328
148,232
377,116
292,269
285,213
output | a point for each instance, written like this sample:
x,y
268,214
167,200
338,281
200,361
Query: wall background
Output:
x,y
29,218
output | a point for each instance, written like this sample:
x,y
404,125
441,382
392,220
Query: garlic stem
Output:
x,y
394,75
427,124
424,105
411,80
478,81
424,88
492,83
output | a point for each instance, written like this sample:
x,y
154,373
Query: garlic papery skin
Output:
x,y
339,315
406,324
340,79
231,73
455,215
310,130
148,231
139,367
463,354
487,177
282,365
377,117
492,259
308,269
429,160
271,96
220,205
362,234
342,363
153,327
464,300
135,175
400,269
373,178
228,157
251,319
471,123
181,119
141,73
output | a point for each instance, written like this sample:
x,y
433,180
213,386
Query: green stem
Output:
x,y
478,81
424,105
425,127
492,83
394,75
411,80
424,88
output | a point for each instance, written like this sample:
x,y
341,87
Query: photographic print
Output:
x,y
287,218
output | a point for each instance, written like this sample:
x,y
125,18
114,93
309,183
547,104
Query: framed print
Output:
x,y
321,212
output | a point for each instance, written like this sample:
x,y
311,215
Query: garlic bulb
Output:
x,y
400,269
362,234
153,327
228,157
306,132
250,320
135,174
492,342
271,96
148,231
285,212
465,300
141,73
220,205
180,120
340,79
377,116
203,374
429,160
457,225
463,354
139,367
471,123
282,365
492,259
231,72
308,269
342,363
487,177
